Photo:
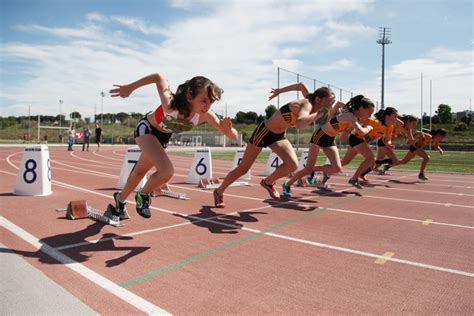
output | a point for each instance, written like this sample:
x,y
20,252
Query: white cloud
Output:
x,y
449,70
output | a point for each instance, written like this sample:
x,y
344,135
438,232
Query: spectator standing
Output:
x,y
71,136
87,137
98,135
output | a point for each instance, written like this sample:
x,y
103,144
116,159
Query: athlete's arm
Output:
x,y
292,87
223,125
162,86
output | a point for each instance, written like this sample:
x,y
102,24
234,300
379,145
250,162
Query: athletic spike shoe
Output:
x,y
119,206
271,189
311,180
421,176
218,199
386,169
143,204
286,189
326,177
355,183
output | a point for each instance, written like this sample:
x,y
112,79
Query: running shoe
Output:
x,y
119,206
286,189
421,176
143,204
386,169
218,199
311,180
355,183
326,177
271,189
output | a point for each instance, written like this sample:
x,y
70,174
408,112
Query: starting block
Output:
x,y
80,209
303,182
166,191
208,184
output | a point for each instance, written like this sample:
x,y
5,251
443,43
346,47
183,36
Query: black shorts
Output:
x,y
144,127
354,140
412,148
322,139
262,137
380,142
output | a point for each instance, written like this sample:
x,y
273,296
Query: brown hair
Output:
x,y
322,92
193,86
408,118
382,113
357,102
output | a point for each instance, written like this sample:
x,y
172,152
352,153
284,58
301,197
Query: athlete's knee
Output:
x,y
292,165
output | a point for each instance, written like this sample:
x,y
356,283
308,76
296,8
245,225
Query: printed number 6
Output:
x,y
200,165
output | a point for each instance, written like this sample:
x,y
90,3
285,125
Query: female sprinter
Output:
x,y
271,133
359,144
359,110
178,112
435,137
403,127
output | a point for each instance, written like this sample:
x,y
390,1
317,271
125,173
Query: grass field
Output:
x,y
451,161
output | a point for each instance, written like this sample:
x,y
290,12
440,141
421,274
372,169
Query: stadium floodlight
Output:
x,y
384,39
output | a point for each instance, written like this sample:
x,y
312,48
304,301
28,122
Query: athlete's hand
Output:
x,y
122,91
274,93
226,124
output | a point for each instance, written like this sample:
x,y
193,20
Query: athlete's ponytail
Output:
x,y
408,118
357,102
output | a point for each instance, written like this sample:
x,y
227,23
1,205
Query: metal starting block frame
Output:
x,y
175,195
80,209
303,182
209,184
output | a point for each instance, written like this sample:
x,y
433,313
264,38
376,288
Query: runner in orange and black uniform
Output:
x,y
422,139
359,109
271,133
403,127
382,125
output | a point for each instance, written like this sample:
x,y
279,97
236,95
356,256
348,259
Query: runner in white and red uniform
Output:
x,y
178,112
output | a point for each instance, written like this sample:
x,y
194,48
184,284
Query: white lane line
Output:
x,y
114,289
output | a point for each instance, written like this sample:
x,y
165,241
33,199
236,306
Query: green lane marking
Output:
x,y
231,244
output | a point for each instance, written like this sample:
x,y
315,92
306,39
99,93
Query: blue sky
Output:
x,y
73,50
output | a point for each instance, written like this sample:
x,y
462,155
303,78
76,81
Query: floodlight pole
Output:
x,y
384,39
102,94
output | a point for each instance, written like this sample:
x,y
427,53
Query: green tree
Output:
x,y
444,113
122,117
269,110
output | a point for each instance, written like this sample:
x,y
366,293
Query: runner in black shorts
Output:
x,y
271,133
180,111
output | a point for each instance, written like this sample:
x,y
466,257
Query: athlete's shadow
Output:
x,y
78,253
337,194
219,223
404,182
374,185
290,205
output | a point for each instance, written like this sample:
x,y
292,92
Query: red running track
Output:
x,y
397,246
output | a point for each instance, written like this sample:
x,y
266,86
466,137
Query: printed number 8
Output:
x,y
30,170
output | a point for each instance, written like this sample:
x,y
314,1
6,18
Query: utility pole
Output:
x,y
384,39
